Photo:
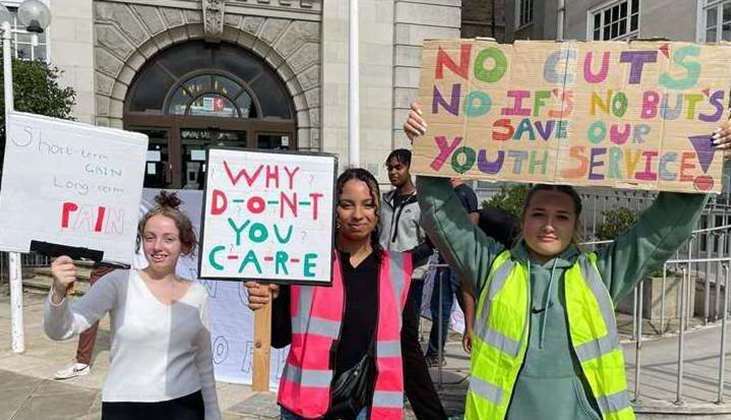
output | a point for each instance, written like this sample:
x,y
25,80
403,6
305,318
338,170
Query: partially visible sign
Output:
x,y
72,184
231,321
268,216
620,114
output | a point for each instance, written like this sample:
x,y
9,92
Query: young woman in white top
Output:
x,y
161,364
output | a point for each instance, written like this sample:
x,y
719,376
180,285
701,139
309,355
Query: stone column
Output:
x,y
414,21
71,47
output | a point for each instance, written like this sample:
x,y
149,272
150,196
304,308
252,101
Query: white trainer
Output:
x,y
73,370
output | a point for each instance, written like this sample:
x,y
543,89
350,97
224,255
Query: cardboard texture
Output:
x,y
637,115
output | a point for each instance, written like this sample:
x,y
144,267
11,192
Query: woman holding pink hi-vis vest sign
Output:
x,y
545,341
346,360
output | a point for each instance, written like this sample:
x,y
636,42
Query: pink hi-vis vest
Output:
x,y
317,313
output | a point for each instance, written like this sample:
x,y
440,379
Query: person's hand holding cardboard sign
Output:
x,y
415,125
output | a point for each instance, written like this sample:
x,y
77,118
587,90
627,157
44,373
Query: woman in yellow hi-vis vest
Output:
x,y
545,343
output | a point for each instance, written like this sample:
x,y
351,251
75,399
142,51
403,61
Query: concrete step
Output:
x,y
42,282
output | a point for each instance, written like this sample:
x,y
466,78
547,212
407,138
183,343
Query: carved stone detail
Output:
x,y
213,18
127,35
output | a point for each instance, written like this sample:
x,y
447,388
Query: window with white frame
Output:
x,y
22,44
525,12
618,20
717,20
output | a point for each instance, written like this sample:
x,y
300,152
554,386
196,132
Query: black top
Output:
x,y
500,225
399,199
359,323
361,311
359,319
467,196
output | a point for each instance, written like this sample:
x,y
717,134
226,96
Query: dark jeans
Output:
x,y
418,385
446,280
189,407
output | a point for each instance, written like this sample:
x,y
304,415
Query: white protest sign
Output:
x,y
231,321
268,216
73,184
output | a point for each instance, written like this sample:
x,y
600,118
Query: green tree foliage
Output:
x,y
509,199
616,221
36,90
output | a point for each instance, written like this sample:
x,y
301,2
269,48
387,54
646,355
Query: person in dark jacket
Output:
x,y
400,230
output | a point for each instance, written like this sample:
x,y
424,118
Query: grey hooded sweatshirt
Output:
x,y
400,226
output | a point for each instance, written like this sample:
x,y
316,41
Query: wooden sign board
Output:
x,y
636,115
268,216
71,184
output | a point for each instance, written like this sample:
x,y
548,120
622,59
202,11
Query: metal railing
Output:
x,y
30,260
702,263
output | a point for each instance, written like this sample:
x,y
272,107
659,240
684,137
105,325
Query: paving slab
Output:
x,y
30,393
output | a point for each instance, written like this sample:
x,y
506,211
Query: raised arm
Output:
x,y
461,242
661,229
63,319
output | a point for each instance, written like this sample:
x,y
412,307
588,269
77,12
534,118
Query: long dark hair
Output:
x,y
360,174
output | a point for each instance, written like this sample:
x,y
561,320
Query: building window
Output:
x,y
525,12
22,42
718,20
212,96
618,20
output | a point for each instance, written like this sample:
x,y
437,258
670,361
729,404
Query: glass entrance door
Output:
x,y
194,142
277,141
157,166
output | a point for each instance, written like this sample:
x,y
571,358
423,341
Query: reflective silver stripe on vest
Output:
x,y
388,348
487,334
319,326
596,348
388,399
603,345
304,305
308,377
614,402
499,279
486,390
501,342
396,271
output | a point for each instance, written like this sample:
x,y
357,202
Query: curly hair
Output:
x,y
167,205
360,174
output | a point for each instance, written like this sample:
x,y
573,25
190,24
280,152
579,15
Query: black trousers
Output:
x,y
189,407
418,385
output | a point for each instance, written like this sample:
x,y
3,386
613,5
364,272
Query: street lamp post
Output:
x,y
36,17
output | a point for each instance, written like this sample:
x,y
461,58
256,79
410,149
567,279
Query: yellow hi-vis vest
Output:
x,y
500,338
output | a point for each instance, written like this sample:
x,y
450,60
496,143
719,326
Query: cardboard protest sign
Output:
x,y
71,184
619,114
268,216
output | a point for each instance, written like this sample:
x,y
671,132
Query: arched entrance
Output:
x,y
197,94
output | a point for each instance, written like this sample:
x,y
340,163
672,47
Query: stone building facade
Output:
x,y
677,20
267,73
